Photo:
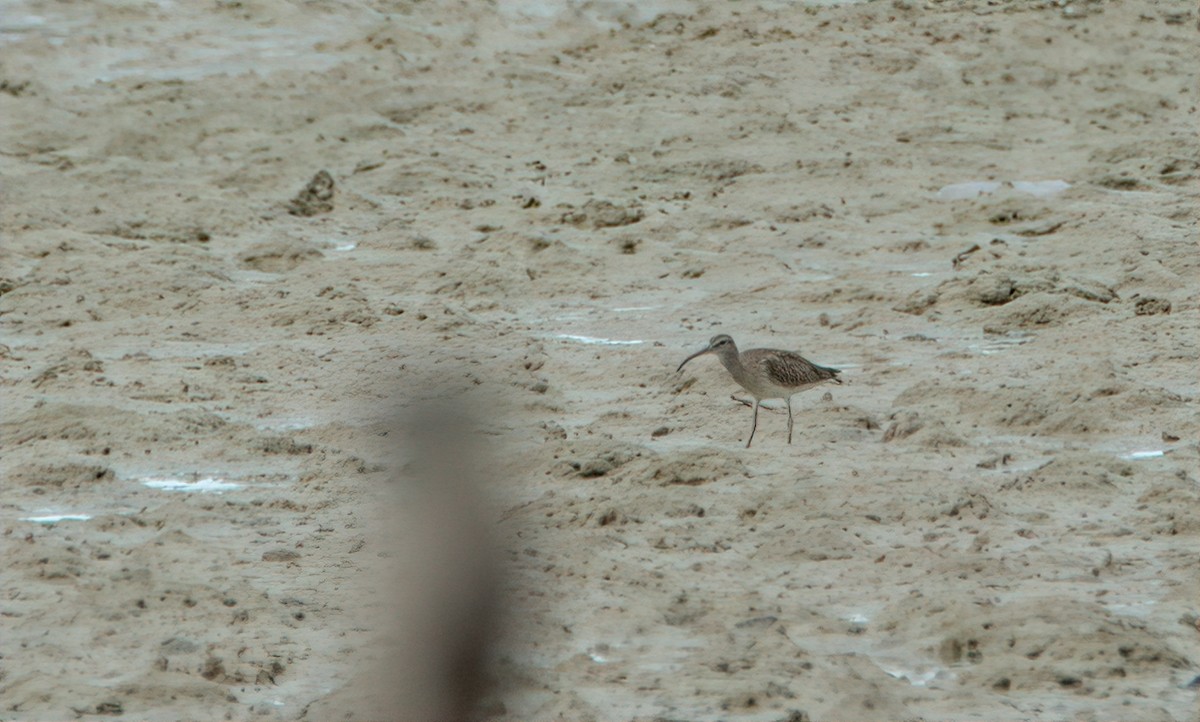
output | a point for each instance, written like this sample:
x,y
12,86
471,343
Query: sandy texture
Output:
x,y
232,229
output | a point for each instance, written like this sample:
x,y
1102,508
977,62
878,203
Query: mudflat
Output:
x,y
233,231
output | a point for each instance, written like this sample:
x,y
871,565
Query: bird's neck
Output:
x,y
732,361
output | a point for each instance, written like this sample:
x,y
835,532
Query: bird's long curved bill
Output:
x,y
689,358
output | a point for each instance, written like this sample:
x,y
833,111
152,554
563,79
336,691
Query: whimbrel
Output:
x,y
767,373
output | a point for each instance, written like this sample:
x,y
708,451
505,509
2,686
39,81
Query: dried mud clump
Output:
x,y
692,468
278,257
1079,471
929,432
316,198
1151,306
604,214
70,476
1038,309
1029,299
596,460
1027,645
1102,396
605,463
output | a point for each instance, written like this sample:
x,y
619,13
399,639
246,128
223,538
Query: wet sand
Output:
x,y
984,214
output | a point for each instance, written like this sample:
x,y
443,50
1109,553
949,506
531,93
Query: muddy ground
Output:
x,y
235,233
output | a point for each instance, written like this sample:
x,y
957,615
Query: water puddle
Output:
x,y
597,341
285,424
16,27
1041,189
1000,344
248,276
1140,609
975,189
232,52
610,16
208,485
654,653
56,518
920,676
1138,455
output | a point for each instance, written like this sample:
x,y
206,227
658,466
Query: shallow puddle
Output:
x,y
597,341
1150,454
1000,344
208,485
285,424
975,189
56,518
918,676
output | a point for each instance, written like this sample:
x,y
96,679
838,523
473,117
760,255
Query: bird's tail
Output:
x,y
830,374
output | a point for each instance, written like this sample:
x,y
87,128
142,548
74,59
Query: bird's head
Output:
x,y
720,344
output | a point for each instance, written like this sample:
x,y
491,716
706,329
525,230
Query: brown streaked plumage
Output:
x,y
767,373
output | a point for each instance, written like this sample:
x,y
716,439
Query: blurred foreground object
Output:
x,y
433,579
448,567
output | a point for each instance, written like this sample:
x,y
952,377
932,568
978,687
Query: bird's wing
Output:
x,y
792,370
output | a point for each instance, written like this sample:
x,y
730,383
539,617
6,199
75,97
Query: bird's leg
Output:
x,y
789,403
741,401
754,425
